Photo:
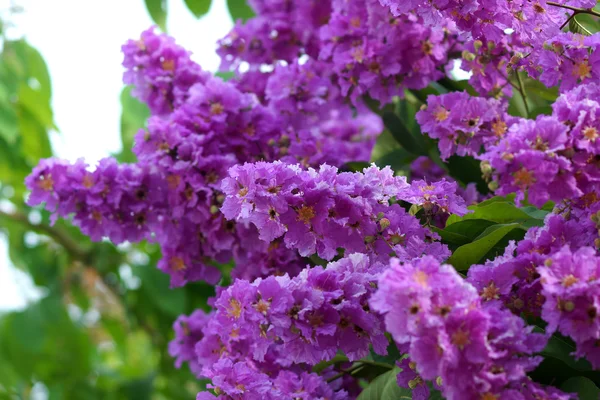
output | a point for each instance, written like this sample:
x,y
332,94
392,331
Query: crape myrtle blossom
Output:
x,y
281,31
464,124
478,350
568,58
370,51
172,194
160,71
377,54
513,279
320,211
242,381
425,169
291,323
570,286
502,38
552,157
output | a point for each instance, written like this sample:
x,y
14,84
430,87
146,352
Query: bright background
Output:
x,y
81,43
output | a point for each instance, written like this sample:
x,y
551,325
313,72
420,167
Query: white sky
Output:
x,y
81,43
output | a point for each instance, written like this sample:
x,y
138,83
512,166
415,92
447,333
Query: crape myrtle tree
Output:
x,y
374,227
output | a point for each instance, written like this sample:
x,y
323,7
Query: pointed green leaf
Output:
x,y
474,252
238,9
584,387
385,387
158,12
198,7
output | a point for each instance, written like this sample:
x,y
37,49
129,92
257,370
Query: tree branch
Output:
x,y
576,9
57,235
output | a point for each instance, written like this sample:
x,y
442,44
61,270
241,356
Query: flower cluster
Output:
x,y
322,211
513,279
501,38
201,127
369,50
160,71
283,322
570,286
478,350
241,380
378,54
552,157
464,124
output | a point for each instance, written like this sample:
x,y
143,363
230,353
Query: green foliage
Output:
x,y
385,387
491,239
484,232
158,12
198,7
134,115
585,388
238,9
99,331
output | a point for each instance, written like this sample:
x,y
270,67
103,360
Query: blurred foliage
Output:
x,y
238,10
102,326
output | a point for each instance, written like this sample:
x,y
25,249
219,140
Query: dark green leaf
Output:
x,y
401,133
467,170
158,12
585,388
560,348
474,252
397,159
198,7
238,9
463,232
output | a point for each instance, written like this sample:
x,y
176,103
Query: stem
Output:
x,y
576,9
522,91
361,364
344,372
58,235
568,19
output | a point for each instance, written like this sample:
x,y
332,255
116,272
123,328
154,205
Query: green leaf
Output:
x,y
8,123
499,212
561,349
396,159
584,387
463,232
133,118
198,7
577,27
158,12
401,133
225,75
467,170
238,9
385,387
156,287
473,253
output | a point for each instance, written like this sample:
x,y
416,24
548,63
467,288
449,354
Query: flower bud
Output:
x,y
384,223
468,55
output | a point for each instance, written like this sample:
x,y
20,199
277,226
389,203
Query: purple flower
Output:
x,y
572,297
475,348
188,331
322,211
